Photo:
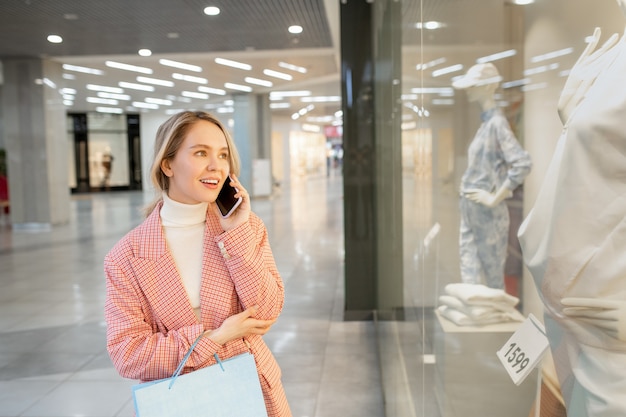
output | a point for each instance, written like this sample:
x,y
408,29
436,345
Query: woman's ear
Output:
x,y
165,167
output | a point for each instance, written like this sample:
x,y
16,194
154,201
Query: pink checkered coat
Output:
x,y
150,321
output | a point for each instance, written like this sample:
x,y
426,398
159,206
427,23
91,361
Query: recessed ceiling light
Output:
x,y
144,52
173,35
295,29
523,2
70,16
212,11
55,39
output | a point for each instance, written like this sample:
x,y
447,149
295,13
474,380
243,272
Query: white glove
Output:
x,y
486,198
607,315
583,74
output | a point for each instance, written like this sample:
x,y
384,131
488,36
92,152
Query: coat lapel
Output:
x,y
158,277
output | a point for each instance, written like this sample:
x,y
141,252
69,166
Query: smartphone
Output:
x,y
226,200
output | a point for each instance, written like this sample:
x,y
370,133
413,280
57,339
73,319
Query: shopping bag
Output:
x,y
229,388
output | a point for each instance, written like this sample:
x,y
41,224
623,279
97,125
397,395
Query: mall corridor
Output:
x,y
53,360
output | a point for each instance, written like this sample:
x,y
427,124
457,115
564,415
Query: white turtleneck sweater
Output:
x,y
183,225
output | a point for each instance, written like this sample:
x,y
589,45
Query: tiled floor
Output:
x,y
53,361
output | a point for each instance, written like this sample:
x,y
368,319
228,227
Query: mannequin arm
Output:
x,y
490,199
583,74
607,315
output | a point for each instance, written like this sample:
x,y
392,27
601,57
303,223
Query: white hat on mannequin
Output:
x,y
479,74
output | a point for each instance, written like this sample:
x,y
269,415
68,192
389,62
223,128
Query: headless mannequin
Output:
x,y
607,315
574,238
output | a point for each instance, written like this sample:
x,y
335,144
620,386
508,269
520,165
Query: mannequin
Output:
x,y
574,238
497,164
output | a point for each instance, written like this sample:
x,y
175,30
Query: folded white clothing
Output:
x,y
479,294
476,312
461,319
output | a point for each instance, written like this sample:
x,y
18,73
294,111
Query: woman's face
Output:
x,y
201,165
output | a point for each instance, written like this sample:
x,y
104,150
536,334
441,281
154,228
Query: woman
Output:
x,y
187,271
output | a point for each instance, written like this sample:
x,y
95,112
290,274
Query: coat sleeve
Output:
x,y
249,259
139,348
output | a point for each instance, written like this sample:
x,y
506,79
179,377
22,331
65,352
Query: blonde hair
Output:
x,y
169,138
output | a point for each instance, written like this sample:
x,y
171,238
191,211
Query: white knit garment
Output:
x,y
183,225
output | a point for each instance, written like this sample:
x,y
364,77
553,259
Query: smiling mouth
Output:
x,y
212,182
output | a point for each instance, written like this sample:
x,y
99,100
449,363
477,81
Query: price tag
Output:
x,y
524,349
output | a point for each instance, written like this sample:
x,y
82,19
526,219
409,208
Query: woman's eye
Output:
x,y
201,153
224,156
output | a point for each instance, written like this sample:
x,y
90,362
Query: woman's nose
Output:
x,y
212,163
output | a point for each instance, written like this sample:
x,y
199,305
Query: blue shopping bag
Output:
x,y
229,388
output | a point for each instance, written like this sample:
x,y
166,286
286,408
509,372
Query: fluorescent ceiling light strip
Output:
x,y
430,64
85,70
104,94
234,64
193,94
516,83
134,86
109,110
257,81
321,99
189,78
551,55
155,81
212,90
180,65
223,110
160,101
442,90
279,105
128,67
498,56
292,67
238,87
67,76
98,100
540,69
95,87
276,74
447,70
142,105
278,95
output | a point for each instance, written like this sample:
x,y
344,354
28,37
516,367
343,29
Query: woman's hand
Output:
x,y
242,213
240,325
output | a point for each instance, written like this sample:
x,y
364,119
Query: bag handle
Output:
x,y
182,363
